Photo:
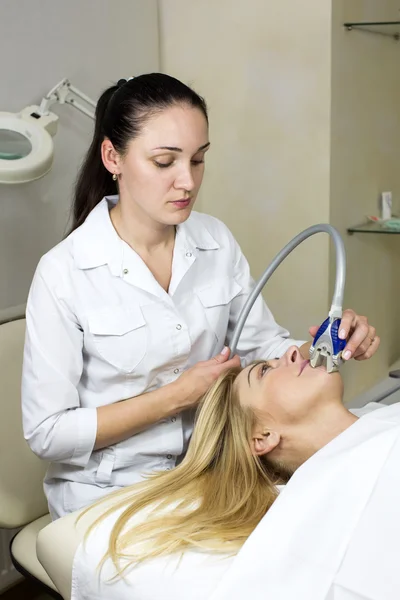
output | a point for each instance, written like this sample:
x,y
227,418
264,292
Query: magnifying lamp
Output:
x,y
26,138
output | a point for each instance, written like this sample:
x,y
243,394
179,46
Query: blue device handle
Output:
x,y
337,344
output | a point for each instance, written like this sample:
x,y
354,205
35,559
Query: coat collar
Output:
x,y
96,243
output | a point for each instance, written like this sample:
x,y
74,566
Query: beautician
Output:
x,y
128,317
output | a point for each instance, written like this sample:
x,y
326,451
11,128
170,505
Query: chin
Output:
x,y
322,372
178,216
326,380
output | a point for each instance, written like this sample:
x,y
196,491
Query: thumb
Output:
x,y
313,330
229,364
222,356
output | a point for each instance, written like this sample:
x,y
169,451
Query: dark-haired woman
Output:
x,y
128,317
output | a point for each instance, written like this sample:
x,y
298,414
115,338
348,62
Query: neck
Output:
x,y
139,230
306,439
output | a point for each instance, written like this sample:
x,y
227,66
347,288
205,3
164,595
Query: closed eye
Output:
x,y
162,165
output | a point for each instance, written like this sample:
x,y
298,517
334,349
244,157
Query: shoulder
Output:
x,y
58,260
55,275
85,247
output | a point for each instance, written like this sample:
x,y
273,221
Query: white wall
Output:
x,y
367,10
304,129
93,43
365,151
264,69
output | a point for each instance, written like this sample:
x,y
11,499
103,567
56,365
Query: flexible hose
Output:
x,y
337,300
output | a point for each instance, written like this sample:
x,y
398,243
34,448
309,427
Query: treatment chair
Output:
x,y
22,501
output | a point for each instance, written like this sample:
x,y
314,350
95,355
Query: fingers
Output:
x,y
362,342
232,362
203,374
358,337
365,345
221,359
370,351
223,356
224,362
228,364
348,321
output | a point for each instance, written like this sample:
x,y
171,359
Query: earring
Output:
x,y
115,177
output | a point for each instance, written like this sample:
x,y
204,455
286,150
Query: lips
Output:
x,y
182,202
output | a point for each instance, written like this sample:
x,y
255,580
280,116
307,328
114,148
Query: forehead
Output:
x,y
242,383
175,124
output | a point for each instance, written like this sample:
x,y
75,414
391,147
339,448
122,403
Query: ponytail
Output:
x,y
94,181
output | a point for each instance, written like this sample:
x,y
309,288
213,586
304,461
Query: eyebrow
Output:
x,y
253,367
176,149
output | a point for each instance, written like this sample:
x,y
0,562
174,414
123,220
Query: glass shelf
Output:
x,y
372,227
388,28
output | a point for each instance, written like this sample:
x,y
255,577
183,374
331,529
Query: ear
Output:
x,y
110,157
264,442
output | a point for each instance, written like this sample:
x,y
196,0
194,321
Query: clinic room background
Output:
x,y
305,126
305,129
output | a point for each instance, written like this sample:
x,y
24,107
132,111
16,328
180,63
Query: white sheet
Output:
x,y
192,577
334,532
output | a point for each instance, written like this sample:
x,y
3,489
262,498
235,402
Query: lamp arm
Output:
x,y
65,93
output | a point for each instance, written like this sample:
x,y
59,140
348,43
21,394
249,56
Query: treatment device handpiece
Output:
x,y
327,347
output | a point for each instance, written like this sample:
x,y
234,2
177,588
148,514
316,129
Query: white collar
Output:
x,y
96,243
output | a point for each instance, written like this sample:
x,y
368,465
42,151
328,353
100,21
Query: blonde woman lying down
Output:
x,y
204,529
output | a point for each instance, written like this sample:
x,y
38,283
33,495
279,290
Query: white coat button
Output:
x,y
125,271
179,327
169,456
189,254
176,371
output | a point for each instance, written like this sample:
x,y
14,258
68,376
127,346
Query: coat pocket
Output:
x,y
216,300
119,336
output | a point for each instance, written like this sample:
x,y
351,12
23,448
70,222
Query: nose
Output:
x,y
293,356
185,180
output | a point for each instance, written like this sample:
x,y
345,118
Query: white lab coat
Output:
x,y
334,531
101,329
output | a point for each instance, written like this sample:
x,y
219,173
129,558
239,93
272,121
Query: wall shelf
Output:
x,y
372,227
387,28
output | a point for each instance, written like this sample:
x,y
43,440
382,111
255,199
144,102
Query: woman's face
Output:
x,y
161,173
285,391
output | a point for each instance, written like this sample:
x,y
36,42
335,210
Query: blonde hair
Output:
x,y
219,492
